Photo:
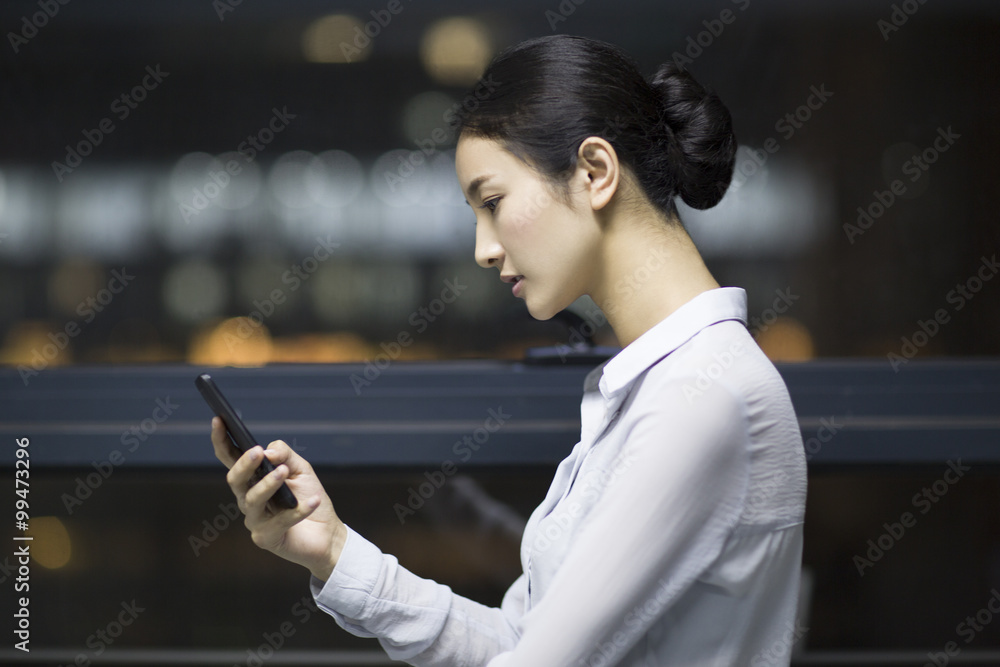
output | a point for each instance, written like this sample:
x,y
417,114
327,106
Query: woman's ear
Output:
x,y
598,167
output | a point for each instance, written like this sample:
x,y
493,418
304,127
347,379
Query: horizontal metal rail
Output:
x,y
851,412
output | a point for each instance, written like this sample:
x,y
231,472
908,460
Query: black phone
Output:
x,y
240,436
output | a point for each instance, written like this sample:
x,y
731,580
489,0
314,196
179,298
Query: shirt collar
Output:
x,y
708,308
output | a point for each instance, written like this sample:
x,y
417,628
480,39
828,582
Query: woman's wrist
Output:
x,y
324,570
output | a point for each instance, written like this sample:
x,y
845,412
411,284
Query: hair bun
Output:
x,y
700,134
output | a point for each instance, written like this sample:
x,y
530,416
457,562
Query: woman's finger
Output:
x,y
269,533
279,452
258,495
242,470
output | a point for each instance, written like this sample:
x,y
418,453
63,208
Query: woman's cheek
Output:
x,y
530,209
516,220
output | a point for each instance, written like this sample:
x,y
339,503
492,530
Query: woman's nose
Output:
x,y
489,252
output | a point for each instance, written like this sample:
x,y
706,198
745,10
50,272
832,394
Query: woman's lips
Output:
x,y
516,289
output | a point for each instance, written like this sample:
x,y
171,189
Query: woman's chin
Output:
x,y
536,312
541,311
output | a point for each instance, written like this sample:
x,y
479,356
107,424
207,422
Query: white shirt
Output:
x,y
671,534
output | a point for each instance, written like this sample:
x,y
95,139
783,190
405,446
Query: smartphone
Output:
x,y
240,436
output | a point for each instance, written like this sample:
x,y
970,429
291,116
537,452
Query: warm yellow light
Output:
x,y
51,546
786,339
323,348
455,51
237,341
337,38
38,345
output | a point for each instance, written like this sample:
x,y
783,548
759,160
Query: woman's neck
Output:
x,y
649,269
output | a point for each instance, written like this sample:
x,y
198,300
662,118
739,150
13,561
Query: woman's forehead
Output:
x,y
477,158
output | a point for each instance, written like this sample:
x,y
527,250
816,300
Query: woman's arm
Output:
x,y
367,592
417,620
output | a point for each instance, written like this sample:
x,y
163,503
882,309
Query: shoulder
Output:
x,y
720,359
699,393
672,415
700,376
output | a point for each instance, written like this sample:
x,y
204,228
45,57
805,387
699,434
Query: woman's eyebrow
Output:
x,y
476,184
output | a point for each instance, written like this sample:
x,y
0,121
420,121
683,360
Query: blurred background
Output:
x,y
243,183
117,115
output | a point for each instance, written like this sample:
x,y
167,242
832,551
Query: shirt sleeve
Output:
x,y
416,620
657,527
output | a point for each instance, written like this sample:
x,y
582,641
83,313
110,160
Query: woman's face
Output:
x,y
547,251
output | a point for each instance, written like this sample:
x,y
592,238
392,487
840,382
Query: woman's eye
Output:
x,y
491,204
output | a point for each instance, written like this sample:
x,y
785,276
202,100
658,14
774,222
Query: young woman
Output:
x,y
672,534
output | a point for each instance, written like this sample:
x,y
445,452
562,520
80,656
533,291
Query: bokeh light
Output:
x,y
102,213
30,342
194,290
456,50
26,229
51,546
337,38
287,179
241,181
787,339
236,341
334,178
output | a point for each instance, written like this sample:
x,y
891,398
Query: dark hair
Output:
x,y
550,93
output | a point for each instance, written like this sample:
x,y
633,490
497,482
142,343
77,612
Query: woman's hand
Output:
x,y
311,534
